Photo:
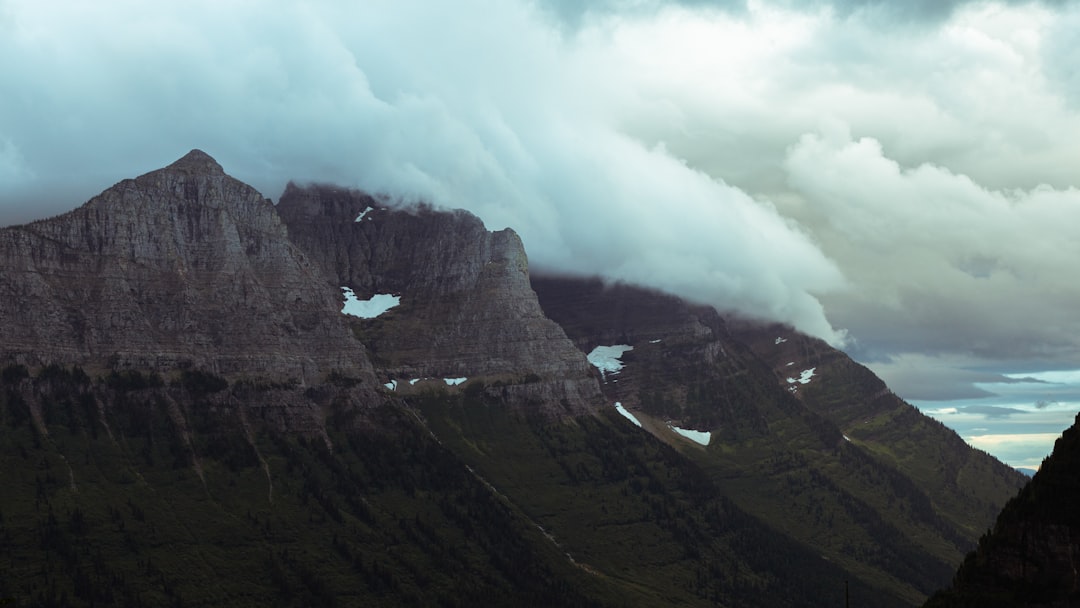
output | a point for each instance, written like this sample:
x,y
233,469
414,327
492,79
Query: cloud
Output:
x,y
937,378
992,411
1018,449
957,267
945,411
13,170
482,105
918,12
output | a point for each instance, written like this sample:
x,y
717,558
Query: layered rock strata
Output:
x,y
466,310
183,267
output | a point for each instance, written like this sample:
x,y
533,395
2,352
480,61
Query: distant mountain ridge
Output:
x,y
179,340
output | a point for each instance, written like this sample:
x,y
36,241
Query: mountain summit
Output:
x,y
180,267
196,162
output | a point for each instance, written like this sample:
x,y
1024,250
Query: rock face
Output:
x,y
182,267
467,309
1032,556
684,365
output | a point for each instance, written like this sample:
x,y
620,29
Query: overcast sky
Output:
x,y
896,177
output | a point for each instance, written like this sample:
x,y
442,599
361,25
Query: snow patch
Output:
x,y
780,340
454,381
368,309
414,381
392,385
701,437
626,414
654,341
847,439
363,213
790,363
804,376
606,358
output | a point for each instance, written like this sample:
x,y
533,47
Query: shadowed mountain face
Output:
x,y
188,418
1032,555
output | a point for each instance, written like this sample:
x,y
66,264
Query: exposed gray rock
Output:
x,y
181,267
467,308
684,366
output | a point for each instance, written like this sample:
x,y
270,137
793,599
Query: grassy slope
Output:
x,y
897,505
121,516
967,486
630,508
495,507
499,510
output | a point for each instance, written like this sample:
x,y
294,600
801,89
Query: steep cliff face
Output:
x,y
1032,556
466,309
182,267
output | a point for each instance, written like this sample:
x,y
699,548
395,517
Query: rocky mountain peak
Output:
x,y
466,309
184,266
196,162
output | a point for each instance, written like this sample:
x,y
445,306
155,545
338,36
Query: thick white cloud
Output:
x,y
481,105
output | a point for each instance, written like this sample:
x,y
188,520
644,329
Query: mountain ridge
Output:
x,y
180,339
470,286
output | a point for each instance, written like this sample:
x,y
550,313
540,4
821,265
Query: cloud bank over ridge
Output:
x,y
482,105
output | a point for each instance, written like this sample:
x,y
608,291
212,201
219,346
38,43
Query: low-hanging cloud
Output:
x,y
498,114
944,258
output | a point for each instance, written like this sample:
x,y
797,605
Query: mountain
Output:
x,y
1032,555
184,267
467,309
192,415
802,436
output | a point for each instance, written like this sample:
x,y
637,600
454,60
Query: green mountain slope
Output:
x,y
110,500
780,448
966,486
